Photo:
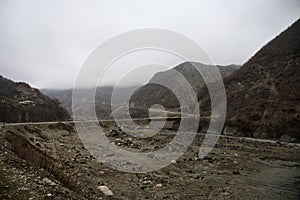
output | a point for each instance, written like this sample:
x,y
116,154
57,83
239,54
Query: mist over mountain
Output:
x,y
102,99
152,93
263,96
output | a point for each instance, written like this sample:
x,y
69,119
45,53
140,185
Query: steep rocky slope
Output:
x,y
21,103
263,96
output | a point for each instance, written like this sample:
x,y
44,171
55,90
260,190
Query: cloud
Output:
x,y
46,42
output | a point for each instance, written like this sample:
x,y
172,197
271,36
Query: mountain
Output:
x,y
153,93
21,103
263,96
102,99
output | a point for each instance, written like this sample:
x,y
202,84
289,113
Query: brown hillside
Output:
x,y
21,103
153,93
263,96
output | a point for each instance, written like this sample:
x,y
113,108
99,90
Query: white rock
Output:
x,y
173,161
146,182
105,190
159,185
49,195
48,181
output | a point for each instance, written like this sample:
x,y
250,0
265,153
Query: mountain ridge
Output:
x,y
153,93
263,96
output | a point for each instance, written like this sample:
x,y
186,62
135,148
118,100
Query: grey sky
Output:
x,y
46,42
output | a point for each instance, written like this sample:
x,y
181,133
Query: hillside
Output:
x,y
263,96
153,93
21,103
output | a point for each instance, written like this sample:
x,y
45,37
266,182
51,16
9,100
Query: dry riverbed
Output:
x,y
50,162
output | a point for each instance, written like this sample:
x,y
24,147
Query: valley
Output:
x,y
49,138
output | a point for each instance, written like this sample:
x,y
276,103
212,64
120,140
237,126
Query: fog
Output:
x,y
45,43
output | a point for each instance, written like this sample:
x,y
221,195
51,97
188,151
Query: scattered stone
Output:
x,y
143,187
225,193
179,175
210,159
49,195
146,182
24,188
159,185
197,176
105,190
48,181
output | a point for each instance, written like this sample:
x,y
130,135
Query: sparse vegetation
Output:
x,y
21,103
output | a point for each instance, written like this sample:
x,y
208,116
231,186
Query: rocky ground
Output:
x,y
49,162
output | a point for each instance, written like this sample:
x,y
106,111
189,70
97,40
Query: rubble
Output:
x,y
60,166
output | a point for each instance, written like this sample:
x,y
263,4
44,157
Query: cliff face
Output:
x,y
21,103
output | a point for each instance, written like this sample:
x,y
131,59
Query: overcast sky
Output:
x,y
45,43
